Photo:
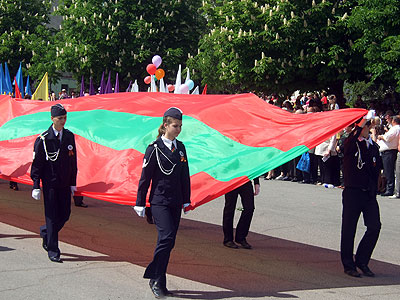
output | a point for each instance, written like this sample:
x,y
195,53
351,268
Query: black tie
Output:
x,y
173,148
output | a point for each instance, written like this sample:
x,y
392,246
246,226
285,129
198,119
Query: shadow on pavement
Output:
x,y
272,268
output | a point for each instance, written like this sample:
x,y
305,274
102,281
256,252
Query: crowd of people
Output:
x,y
326,160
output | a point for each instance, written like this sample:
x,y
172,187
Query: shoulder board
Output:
x,y
43,134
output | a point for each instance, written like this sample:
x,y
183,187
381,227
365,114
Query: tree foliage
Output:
x,y
123,35
26,38
277,46
379,23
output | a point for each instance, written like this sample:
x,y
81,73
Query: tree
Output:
x,y
26,38
123,35
278,46
379,21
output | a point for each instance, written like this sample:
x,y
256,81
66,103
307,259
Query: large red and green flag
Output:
x,y
230,139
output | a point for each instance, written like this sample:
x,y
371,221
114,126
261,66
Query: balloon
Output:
x,y
156,60
160,74
171,87
184,88
190,84
147,79
151,69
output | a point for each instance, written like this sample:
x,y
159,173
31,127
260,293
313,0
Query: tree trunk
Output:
x,y
336,88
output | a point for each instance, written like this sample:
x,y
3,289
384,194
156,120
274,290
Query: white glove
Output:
x,y
36,194
370,115
184,207
139,210
256,189
73,189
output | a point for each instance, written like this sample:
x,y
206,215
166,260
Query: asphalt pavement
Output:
x,y
295,236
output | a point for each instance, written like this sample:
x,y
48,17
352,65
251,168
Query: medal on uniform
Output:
x,y
70,148
182,156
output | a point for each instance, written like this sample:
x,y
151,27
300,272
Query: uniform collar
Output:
x,y
56,132
168,142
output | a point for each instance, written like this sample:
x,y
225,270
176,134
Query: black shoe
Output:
x,y
352,273
244,244
157,290
231,244
295,179
56,259
366,271
44,243
81,205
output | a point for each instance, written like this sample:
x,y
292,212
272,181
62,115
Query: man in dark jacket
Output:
x,y
361,167
54,163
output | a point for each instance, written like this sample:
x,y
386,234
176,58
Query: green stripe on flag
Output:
x,y
208,150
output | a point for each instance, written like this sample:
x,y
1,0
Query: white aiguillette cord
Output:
x,y
52,156
163,170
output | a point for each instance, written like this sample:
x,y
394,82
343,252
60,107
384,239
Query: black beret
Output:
x,y
58,110
173,112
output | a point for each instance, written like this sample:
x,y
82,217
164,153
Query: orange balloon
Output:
x,y
160,74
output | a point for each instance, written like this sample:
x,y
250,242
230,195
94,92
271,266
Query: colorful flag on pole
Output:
x,y
42,90
28,90
108,86
223,153
17,93
116,87
2,82
82,92
8,87
91,87
19,79
102,85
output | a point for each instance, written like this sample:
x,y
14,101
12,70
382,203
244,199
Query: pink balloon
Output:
x,y
156,60
184,88
147,80
171,87
151,69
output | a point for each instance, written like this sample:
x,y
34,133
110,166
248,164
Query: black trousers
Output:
x,y
167,220
355,201
57,209
389,163
78,200
247,197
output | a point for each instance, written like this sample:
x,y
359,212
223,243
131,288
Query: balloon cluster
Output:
x,y
156,73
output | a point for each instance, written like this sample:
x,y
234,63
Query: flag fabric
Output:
x,y
91,87
204,90
108,88
42,90
129,86
17,93
102,85
28,90
8,86
116,87
2,81
230,139
19,79
82,92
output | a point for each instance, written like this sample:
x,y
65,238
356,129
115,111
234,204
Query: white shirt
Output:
x,y
168,142
390,139
56,133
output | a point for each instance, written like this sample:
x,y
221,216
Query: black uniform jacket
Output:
x,y
170,190
61,172
361,164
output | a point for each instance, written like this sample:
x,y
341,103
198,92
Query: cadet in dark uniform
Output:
x,y
361,167
54,163
242,229
165,166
